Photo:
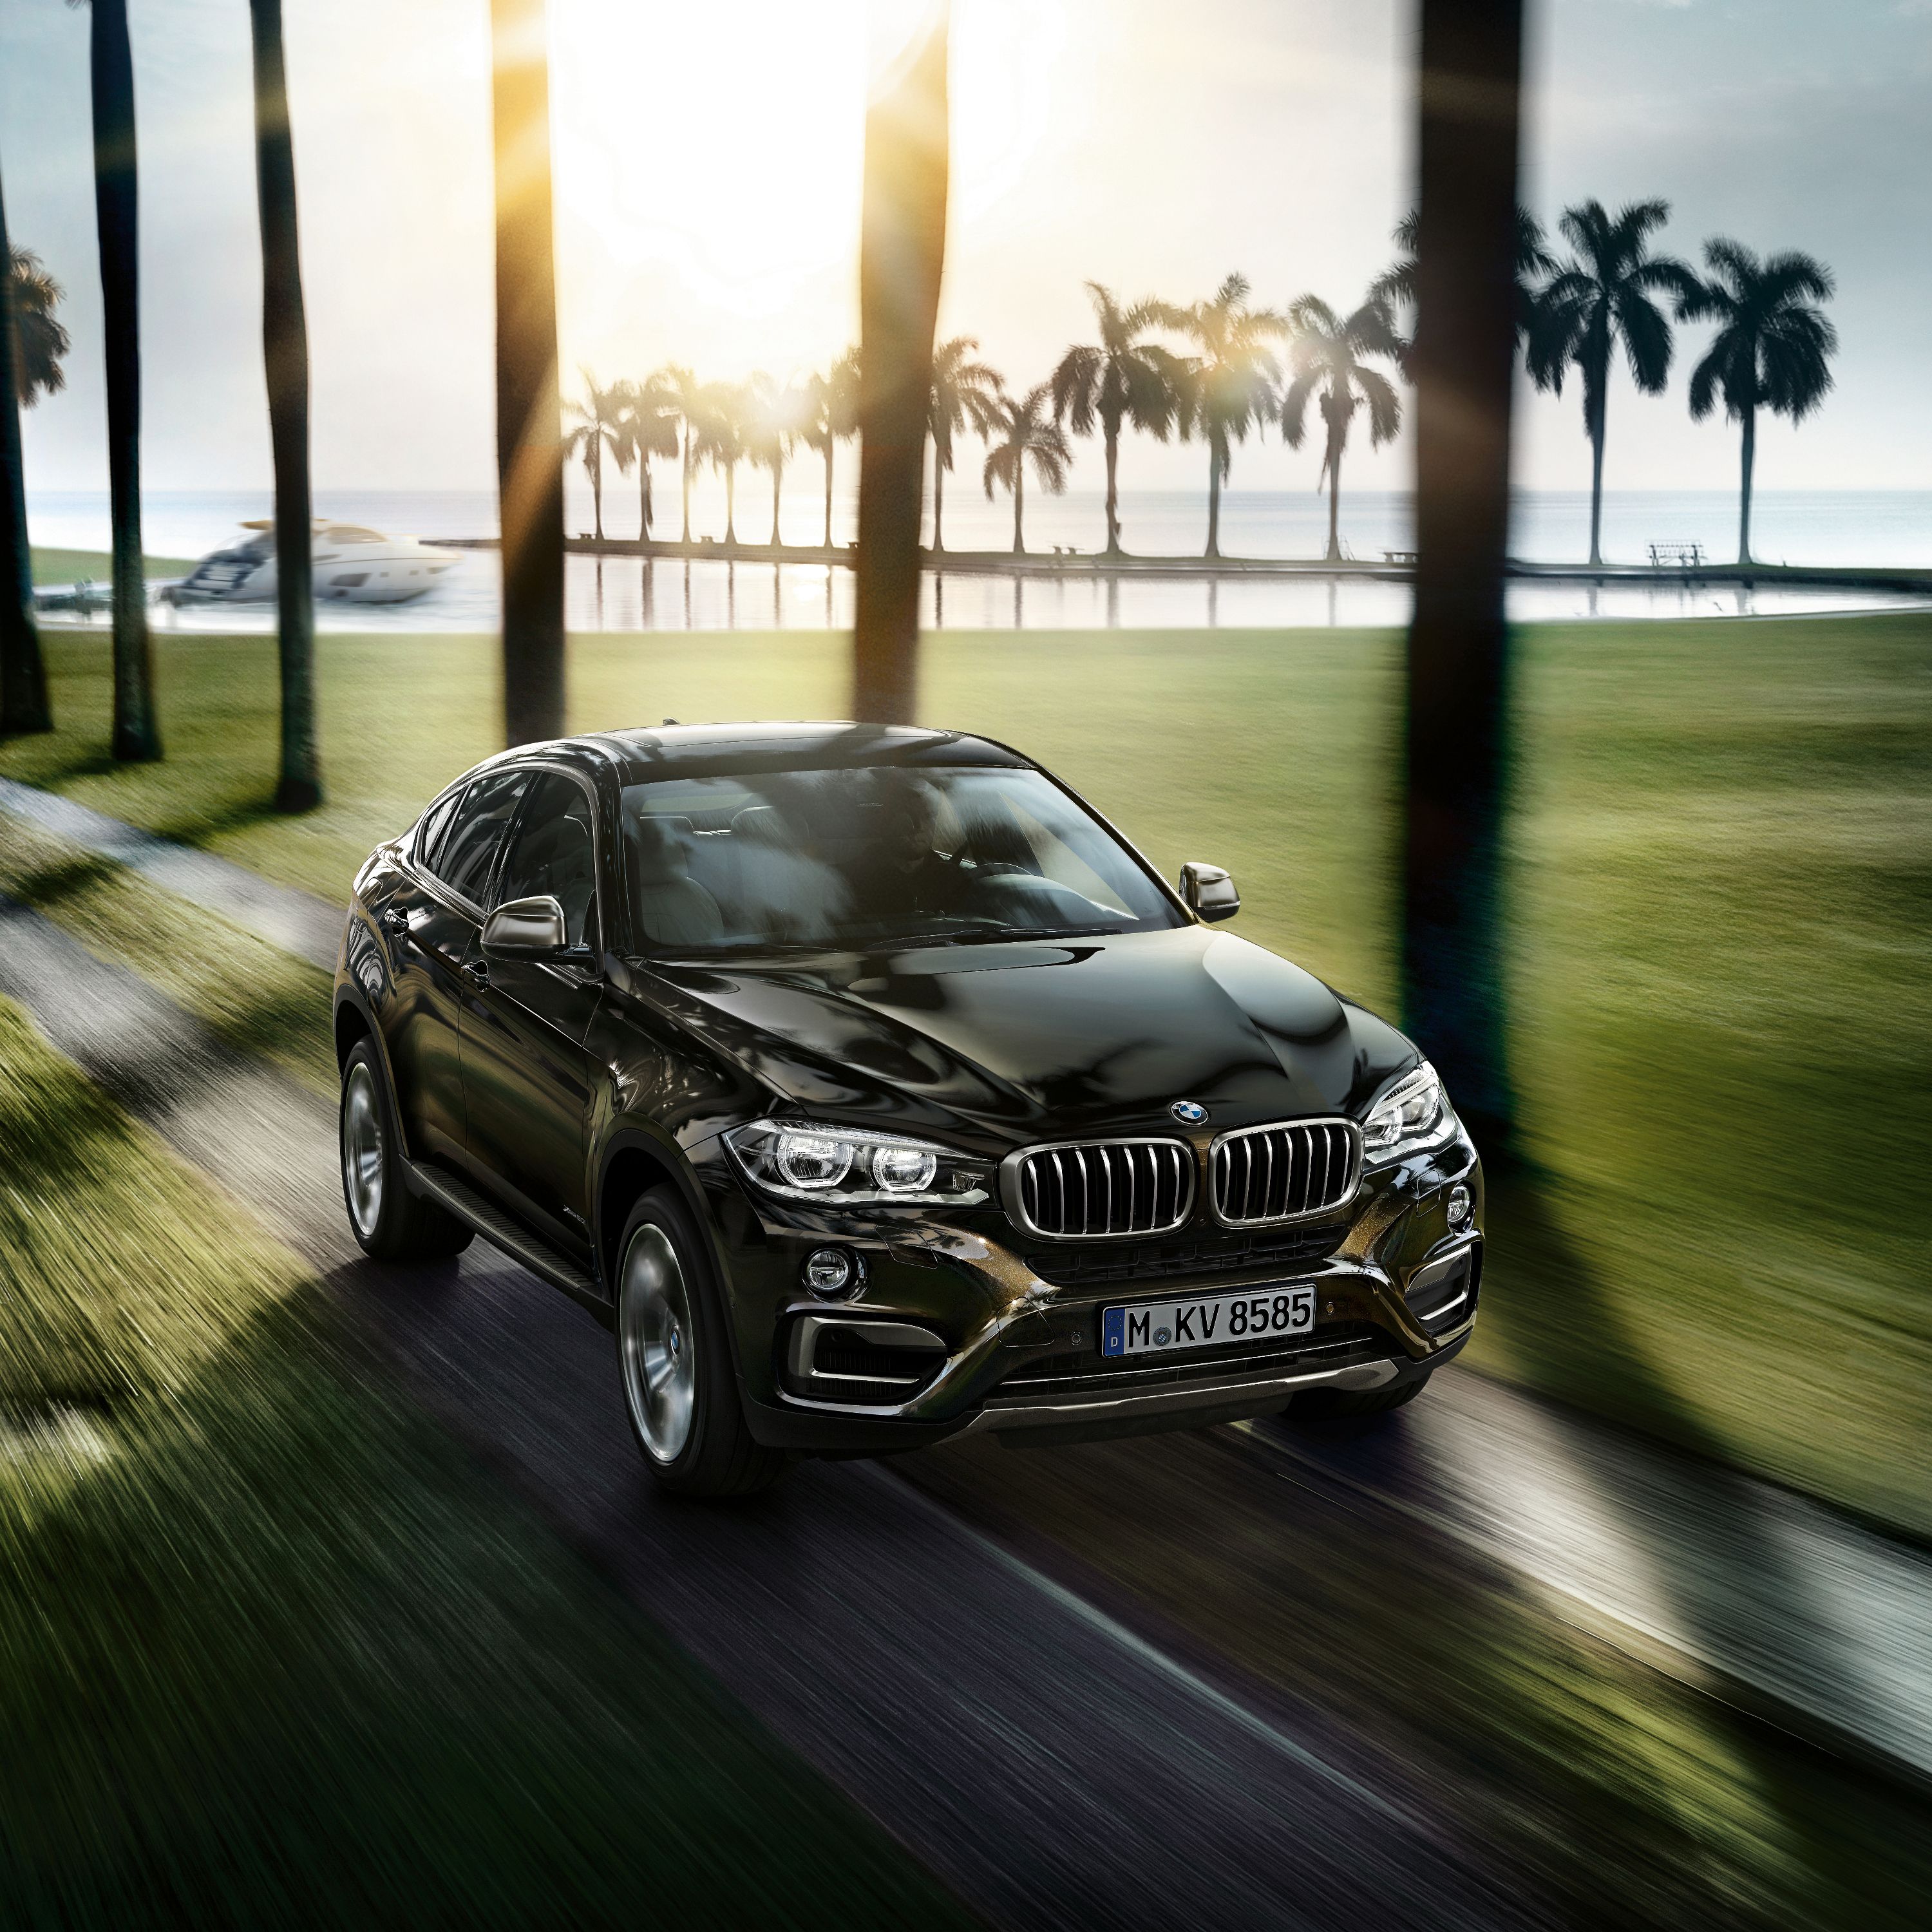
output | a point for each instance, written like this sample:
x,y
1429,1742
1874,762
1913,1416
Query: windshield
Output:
x,y
867,855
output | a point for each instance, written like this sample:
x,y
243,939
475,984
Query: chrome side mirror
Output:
x,y
530,928
1209,892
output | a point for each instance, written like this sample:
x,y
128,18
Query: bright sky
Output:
x,y
707,167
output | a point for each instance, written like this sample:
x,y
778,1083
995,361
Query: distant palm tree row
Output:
x,y
1217,369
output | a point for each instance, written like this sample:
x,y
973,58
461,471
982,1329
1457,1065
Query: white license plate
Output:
x,y
1207,1321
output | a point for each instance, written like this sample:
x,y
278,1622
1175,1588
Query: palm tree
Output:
x,y
716,428
901,258
529,425
1395,287
772,421
39,340
285,362
1327,356
136,734
1230,383
1022,431
23,678
649,417
1122,379
965,393
1599,298
599,425
831,417
688,393
1772,348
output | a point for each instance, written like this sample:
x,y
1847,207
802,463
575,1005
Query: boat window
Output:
x,y
468,855
552,852
348,580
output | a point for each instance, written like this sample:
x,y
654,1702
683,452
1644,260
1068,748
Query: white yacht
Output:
x,y
352,565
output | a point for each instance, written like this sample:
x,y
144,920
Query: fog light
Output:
x,y
1460,1207
836,1272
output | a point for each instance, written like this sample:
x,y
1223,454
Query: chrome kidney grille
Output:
x,y
1284,1173
1090,1191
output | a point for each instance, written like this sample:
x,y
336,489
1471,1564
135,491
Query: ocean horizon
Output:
x,y
1842,527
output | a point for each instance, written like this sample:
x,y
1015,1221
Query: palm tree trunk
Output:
x,y
643,497
1113,431
778,480
1334,499
1019,503
830,445
137,734
597,488
902,253
23,677
687,480
1598,425
730,502
529,429
1456,710
285,357
1744,494
1214,446
938,503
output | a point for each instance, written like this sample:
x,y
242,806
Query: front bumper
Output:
x,y
1017,1355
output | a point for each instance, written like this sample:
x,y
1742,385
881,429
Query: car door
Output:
x,y
429,921
527,1073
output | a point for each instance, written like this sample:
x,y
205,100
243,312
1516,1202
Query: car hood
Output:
x,y
999,1044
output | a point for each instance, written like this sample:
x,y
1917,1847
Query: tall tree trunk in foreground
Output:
x,y
1458,691
23,677
530,428
902,257
137,734
285,356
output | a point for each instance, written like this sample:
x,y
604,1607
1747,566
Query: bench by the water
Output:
x,y
1677,556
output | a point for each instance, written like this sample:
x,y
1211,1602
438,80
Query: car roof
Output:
x,y
639,755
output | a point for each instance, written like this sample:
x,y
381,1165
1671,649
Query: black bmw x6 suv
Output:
x,y
873,1089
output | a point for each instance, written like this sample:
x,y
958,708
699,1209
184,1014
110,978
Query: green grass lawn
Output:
x,y
73,566
1719,900
274,1650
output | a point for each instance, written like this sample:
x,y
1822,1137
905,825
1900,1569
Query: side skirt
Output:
x,y
458,1198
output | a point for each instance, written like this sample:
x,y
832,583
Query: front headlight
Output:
x,y
1415,1114
855,1167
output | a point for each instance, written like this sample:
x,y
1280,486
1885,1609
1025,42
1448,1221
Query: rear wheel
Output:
x,y
675,1360
389,1221
1334,1405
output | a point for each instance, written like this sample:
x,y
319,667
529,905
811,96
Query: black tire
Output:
x,y
674,1360
387,1219
1334,1405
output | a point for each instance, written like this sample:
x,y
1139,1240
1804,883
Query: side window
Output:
x,y
476,834
552,852
430,833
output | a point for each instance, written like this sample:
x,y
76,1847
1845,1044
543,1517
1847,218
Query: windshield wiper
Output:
x,y
974,935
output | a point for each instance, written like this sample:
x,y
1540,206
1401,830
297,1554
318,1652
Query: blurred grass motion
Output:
x,y
251,996
272,1651
73,566
1720,896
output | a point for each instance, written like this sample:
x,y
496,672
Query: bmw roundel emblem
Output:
x,y
1189,1113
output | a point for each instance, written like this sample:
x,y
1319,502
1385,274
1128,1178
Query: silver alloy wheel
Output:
x,y
657,1342
362,1149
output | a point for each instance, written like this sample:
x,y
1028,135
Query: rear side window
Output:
x,y
436,823
475,835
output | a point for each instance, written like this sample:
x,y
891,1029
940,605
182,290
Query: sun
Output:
x,y
723,144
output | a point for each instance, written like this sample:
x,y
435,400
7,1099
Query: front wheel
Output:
x,y
389,1221
675,1359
